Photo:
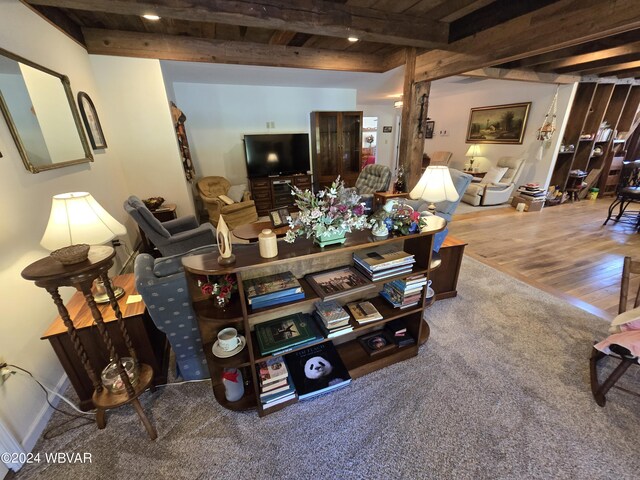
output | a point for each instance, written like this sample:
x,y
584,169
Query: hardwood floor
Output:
x,y
564,250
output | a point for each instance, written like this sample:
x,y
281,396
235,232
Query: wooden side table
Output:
x,y
50,274
380,198
165,213
150,343
250,231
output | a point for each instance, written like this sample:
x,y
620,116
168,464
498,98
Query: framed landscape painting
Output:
x,y
498,124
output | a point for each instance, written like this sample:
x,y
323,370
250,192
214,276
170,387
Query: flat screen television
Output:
x,y
276,154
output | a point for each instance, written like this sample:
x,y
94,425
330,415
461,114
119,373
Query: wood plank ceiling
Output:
x,y
551,40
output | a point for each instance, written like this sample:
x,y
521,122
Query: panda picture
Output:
x,y
316,369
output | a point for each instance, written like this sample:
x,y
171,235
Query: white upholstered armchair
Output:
x,y
498,184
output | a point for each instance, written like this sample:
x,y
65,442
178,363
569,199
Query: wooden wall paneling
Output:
x,y
629,110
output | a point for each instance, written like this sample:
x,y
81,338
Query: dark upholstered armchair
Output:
x,y
372,179
172,237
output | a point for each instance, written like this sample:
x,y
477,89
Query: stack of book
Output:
x,y
384,262
532,192
397,330
272,290
404,293
364,312
285,333
332,319
317,370
275,383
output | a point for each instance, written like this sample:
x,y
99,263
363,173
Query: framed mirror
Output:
x,y
38,106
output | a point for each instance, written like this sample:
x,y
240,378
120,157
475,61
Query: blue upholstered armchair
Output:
x,y
172,237
445,209
163,286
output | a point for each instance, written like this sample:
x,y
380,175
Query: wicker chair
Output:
x,y
235,214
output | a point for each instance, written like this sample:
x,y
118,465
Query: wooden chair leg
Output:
x,y
100,419
612,207
599,391
145,420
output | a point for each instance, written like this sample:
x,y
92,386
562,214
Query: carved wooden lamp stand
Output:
x,y
50,274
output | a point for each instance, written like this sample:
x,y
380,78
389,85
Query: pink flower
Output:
x,y
415,216
207,289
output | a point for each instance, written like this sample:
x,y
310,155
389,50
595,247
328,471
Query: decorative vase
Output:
x,y
330,238
220,302
233,384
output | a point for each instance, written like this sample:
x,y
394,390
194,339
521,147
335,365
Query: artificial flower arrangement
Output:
x,y
222,287
332,210
400,218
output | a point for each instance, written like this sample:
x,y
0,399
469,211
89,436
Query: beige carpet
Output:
x,y
500,390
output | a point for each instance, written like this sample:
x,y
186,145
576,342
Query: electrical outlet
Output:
x,y
444,133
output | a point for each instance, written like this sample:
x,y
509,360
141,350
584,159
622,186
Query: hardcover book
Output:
x,y
382,258
317,369
272,370
271,286
259,303
364,312
331,312
286,332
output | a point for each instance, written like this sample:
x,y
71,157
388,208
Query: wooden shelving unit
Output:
x,y
302,258
595,103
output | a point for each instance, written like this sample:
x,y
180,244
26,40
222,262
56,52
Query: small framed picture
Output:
x,y
377,342
330,284
91,121
428,131
279,217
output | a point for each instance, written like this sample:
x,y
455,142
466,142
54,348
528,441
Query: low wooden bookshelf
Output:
x,y
302,258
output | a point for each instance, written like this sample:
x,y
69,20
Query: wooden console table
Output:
x,y
149,342
50,274
445,278
302,258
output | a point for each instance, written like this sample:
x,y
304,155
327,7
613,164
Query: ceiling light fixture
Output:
x,y
151,17
353,39
397,104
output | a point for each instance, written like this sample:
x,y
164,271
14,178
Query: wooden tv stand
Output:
x,y
302,258
270,193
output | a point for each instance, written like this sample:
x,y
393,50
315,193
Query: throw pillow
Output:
x,y
226,199
236,192
495,174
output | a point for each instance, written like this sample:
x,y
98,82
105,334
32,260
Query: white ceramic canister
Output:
x,y
268,243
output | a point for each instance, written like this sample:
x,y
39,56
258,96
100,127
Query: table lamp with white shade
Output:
x,y
76,221
435,185
474,151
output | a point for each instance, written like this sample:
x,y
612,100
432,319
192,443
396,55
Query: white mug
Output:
x,y
228,339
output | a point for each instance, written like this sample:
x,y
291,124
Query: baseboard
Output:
x,y
43,417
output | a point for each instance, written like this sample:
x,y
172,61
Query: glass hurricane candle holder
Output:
x,y
111,377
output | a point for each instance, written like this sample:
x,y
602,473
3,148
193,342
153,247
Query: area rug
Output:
x,y
500,390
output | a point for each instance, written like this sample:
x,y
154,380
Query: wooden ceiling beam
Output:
x,y
451,10
281,37
191,49
612,69
604,43
522,75
562,24
317,17
573,63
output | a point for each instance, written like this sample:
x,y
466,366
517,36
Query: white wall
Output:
x,y
26,309
450,102
385,153
140,129
219,115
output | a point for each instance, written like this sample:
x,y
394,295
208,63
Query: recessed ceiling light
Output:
x,y
151,17
353,39
398,104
